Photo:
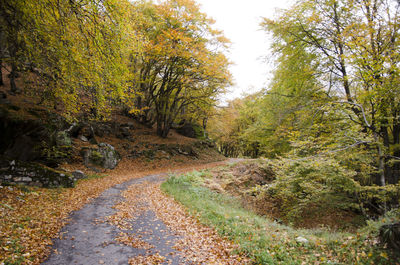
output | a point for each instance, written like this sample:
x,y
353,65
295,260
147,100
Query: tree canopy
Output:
x,y
182,64
78,51
89,56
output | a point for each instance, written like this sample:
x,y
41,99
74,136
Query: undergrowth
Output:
x,y
268,242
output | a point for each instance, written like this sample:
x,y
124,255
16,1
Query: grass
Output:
x,y
266,241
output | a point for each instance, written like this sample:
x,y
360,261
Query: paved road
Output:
x,y
87,241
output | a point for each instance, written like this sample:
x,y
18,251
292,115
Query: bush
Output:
x,y
316,185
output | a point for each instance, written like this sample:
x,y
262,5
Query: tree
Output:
x,y
182,64
13,20
354,43
78,51
225,130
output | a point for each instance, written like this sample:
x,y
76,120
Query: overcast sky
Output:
x,y
240,21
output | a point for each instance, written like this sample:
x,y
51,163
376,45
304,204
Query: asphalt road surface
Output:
x,y
86,240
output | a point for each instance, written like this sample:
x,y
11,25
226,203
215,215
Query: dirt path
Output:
x,y
133,223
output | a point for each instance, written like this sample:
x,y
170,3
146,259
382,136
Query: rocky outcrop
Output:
x,y
18,172
82,131
21,138
78,174
207,143
33,135
151,151
63,139
104,156
89,131
190,130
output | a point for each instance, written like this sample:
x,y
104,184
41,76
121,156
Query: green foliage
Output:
x,y
378,199
78,52
54,152
96,157
199,131
326,116
315,185
267,242
192,178
349,69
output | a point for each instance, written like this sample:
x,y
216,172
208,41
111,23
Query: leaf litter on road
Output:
x,y
30,217
197,244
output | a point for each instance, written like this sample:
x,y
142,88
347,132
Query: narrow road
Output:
x,y
123,226
89,239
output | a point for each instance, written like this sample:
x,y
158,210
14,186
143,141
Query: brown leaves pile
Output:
x,y
147,260
133,241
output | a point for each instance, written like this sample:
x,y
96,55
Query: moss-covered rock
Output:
x,y
104,156
18,172
191,130
63,139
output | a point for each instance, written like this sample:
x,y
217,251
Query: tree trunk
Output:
x,y
163,125
163,129
12,76
393,168
205,120
1,74
381,162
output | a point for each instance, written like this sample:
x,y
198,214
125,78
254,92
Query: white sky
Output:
x,y
240,22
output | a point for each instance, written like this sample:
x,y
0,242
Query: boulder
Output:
x,y
187,150
55,121
22,137
102,128
24,148
83,138
104,156
301,239
73,129
191,130
129,125
87,131
93,140
18,172
110,155
78,174
63,139
124,132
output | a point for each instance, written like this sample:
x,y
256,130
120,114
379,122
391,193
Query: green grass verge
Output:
x,y
266,241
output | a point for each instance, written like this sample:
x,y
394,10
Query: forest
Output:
x,y
330,120
327,125
157,61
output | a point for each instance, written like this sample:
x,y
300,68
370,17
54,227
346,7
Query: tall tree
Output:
x,y
355,43
182,64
